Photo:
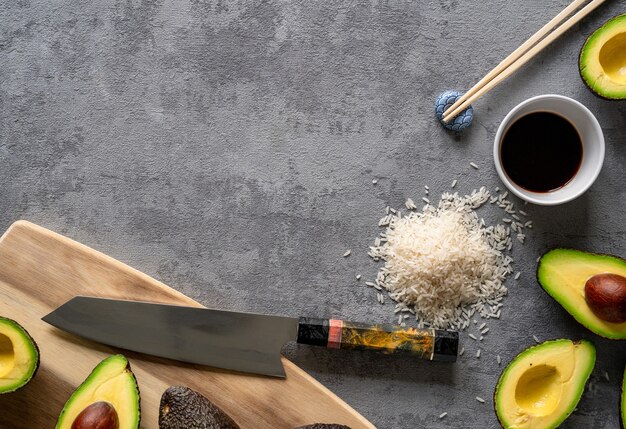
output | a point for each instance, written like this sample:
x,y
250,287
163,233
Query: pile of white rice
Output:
x,y
444,264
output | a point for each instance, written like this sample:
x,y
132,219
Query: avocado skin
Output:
x,y
184,408
324,426
33,343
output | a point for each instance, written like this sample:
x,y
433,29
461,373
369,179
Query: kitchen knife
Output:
x,y
232,340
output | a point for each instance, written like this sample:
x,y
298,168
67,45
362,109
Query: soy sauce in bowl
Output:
x,y
541,151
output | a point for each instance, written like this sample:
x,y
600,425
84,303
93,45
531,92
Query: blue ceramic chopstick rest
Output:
x,y
462,121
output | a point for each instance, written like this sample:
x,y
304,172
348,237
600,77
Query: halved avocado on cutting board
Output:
x,y
107,399
541,387
567,274
602,60
19,356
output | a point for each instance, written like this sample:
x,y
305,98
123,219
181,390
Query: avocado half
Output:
x,y
602,60
19,356
563,273
541,387
108,395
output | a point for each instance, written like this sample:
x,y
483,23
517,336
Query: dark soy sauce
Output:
x,y
541,151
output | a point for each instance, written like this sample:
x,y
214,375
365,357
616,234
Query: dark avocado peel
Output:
x,y
589,286
182,408
107,399
19,356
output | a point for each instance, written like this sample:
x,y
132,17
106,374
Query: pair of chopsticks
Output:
x,y
531,47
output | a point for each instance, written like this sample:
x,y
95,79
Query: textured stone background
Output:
x,y
228,149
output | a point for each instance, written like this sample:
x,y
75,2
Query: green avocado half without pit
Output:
x,y
107,399
565,274
19,356
541,387
602,60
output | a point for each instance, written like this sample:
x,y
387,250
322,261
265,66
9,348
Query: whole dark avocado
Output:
x,y
324,426
184,408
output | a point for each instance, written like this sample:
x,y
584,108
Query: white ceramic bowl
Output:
x,y
592,139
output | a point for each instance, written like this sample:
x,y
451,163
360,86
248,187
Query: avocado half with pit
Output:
x,y
541,387
602,60
107,399
19,356
589,286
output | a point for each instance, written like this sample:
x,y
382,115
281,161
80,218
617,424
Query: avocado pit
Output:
x,y
605,295
99,415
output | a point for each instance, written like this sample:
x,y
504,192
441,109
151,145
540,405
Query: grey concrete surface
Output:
x,y
228,149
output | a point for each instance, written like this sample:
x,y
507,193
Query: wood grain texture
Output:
x,y
40,270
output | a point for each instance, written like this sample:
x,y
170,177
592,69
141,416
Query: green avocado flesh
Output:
x,y
19,356
541,387
563,273
602,60
184,408
110,382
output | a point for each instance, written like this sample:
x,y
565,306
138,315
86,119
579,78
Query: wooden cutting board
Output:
x,y
40,270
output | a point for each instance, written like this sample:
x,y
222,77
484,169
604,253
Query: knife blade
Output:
x,y
238,341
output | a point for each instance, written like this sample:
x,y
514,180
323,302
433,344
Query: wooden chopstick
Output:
x,y
522,55
513,56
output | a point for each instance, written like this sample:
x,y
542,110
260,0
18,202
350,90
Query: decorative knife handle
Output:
x,y
432,344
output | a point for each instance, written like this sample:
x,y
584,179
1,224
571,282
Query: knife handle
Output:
x,y
432,344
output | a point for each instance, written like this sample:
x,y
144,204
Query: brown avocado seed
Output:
x,y
606,297
99,415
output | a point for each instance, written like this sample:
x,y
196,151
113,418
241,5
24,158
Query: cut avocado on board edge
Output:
x,y
542,385
107,399
589,286
19,356
602,60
